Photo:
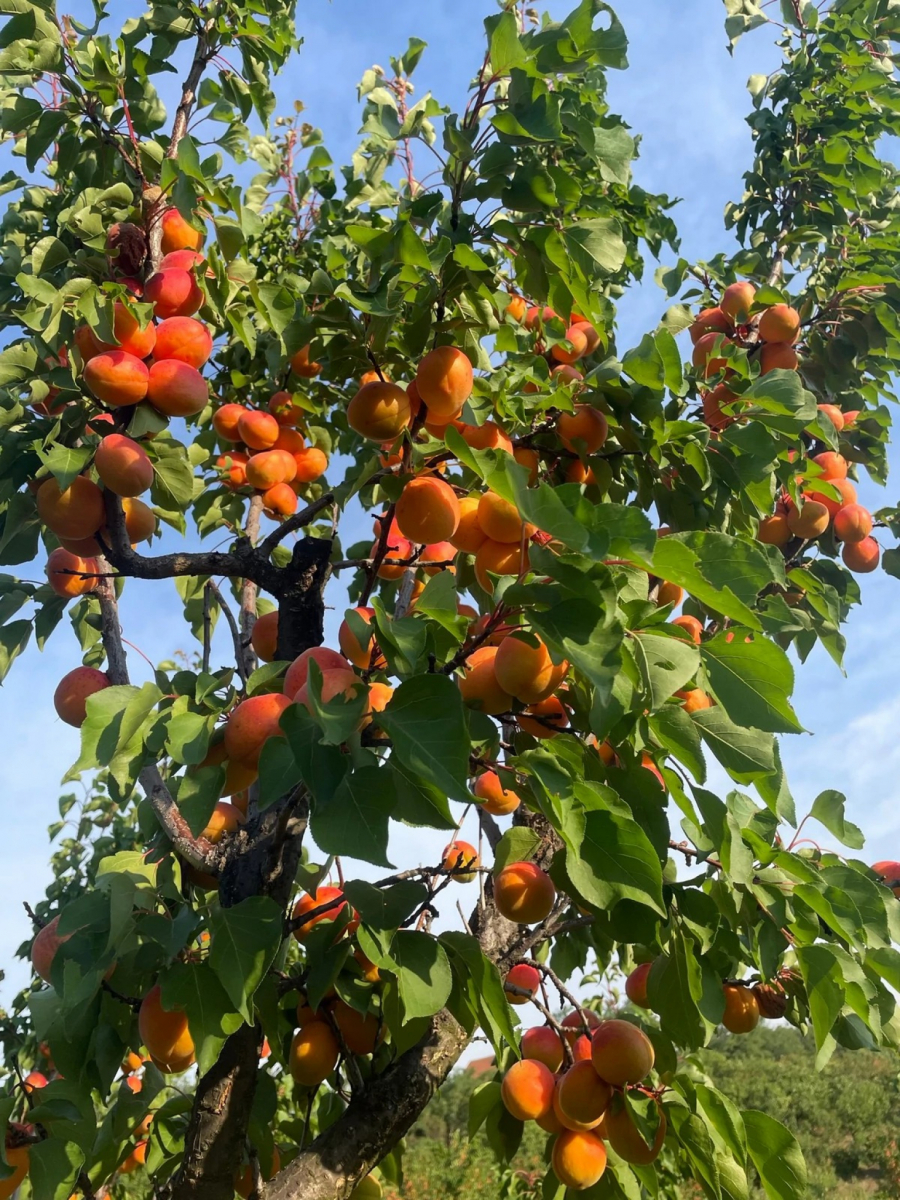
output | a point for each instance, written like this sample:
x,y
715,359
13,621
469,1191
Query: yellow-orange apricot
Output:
x,y
184,339
498,558
437,553
691,626
845,489
232,468
427,510
710,320
852,523
524,893
544,719
361,1032
225,818
737,300
809,521
338,907
626,1139
833,466
87,344
243,1179
530,460
583,1096
72,693
251,723
621,1053
380,695
379,411
517,308
694,699
578,1159
576,348
140,523
165,1032
268,467
19,1158
44,947
132,1062
527,1089
494,798
478,684
264,638
359,655
544,1044
178,234
289,440
258,430
488,436
777,356
117,378
775,530
521,984
468,535
123,465
636,985
176,389
313,1055
780,323
500,519
75,513
312,463
138,1155
129,335
523,667
370,972
173,293
444,381
301,365
669,593
550,1123
71,575
834,415
225,421
861,557
585,430
573,1025
741,1009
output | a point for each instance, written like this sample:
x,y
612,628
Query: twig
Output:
x,y
233,626
207,627
297,521
249,588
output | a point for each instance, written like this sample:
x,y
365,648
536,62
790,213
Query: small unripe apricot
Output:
x,y
775,530
494,798
737,300
72,693
117,378
543,1044
710,320
578,1159
691,626
313,1055
71,575
427,510
777,356
522,978
583,1096
780,323
808,522
544,719
173,293
184,339
621,1053
524,893
165,1033
264,638
123,465
251,724
861,557
584,431
444,381
636,985
177,234
225,421
332,896
301,365
360,655
461,858
852,523
625,1137
527,1090
741,1009
478,684
76,513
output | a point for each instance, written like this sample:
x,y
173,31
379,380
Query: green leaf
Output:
x,y
199,791
485,988
666,664
504,47
752,681
424,978
517,845
54,1168
243,945
65,462
746,754
725,573
278,772
677,732
828,809
615,861
13,640
686,993
777,1156
426,723
354,821
196,990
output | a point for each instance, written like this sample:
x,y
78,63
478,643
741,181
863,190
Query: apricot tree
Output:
x,y
218,1003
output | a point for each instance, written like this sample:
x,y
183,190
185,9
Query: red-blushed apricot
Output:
x,y
492,795
636,985
591,334
564,375
182,260
741,1009
621,1053
780,323
225,421
75,513
379,411
178,234
574,1024
176,389
359,655
232,468
777,356
705,357
850,418
583,1097
544,1044
44,947
337,907
713,412
243,1179
694,699
335,684
71,575
360,1032
499,558
313,1055
165,1033
173,293
184,339
578,1159
845,490
710,320
444,381
264,638
478,683
301,364
437,553
225,818
312,463
468,535
576,348
737,300
832,465
669,593
33,1082
691,626
524,893
544,719
775,530
462,859
834,415
527,1089
72,693
251,723
282,407
808,522
117,378
129,335
861,557
268,467
536,316
626,1139
521,979
123,465
488,436
500,520
852,523
523,667
427,510
584,431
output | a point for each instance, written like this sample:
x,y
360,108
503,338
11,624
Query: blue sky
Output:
x,y
687,99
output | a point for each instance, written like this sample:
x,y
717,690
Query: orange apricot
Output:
x,y
578,1159
370,972
225,818
243,1179
775,530
289,440
301,365
545,1045
780,323
327,660
444,381
488,436
268,467
584,431
522,978
123,465
76,513
264,638
574,1023
834,415
311,463
360,655
691,626
461,858
576,337
71,575
636,985
232,468
710,320
517,308
852,523
705,357
176,389
338,906
86,342
523,667
361,1032
33,1082
281,406
861,557
225,421
173,293
500,520
117,377
337,683
530,460
184,339
478,683
427,510
712,402
833,466
72,693
626,1139
524,893
258,430
498,558
544,719
165,1033
777,356
694,699
741,1009
251,723
808,522
468,535
621,1053
494,798
563,375
379,411
844,487
527,1089
313,1055
178,234
140,523
669,593
583,1097
737,300
182,260
44,947
535,317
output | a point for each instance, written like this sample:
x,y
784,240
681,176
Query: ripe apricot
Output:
x,y
833,466
861,557
808,522
268,467
737,300
669,593
780,323
775,530
621,1053
741,1009
523,667
359,655
87,344
444,381
243,1179
176,389
129,336
527,1089
468,535
184,339
530,460
301,365
132,1062
173,293
636,985
76,513
777,356
313,1055
369,971
574,1023
71,575
710,320
535,317
521,978
427,510
478,684
516,308
524,893
336,684
123,465
584,431
844,487
33,1082
225,421
691,626
258,430
488,436
544,719
19,1158
626,1139
312,463
712,402
379,411
461,858
583,1097
281,406
544,1044
563,375
705,357
500,520
289,440
852,523
494,798
694,699
578,1159
251,724
178,234
338,906
264,638
72,693
834,415
182,260
117,377
577,346
232,468
44,947
165,1033
592,334
361,1032
225,818
498,558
